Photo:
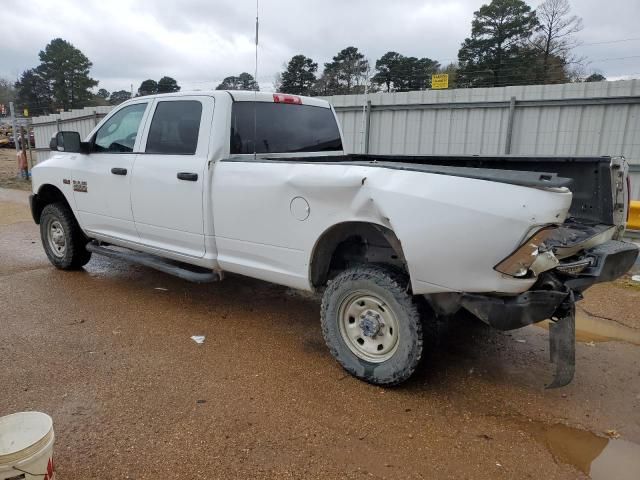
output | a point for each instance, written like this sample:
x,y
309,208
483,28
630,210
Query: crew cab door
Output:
x,y
102,179
169,175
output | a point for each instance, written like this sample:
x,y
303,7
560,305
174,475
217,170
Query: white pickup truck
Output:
x,y
258,184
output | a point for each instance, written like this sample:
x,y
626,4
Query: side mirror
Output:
x,y
67,142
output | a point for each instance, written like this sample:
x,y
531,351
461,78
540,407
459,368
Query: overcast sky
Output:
x,y
199,42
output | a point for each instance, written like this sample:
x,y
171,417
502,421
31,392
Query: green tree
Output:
x,y
555,40
415,73
399,73
595,77
451,70
168,85
387,67
119,96
326,84
148,87
347,73
33,91
244,81
103,93
7,92
299,77
67,70
495,54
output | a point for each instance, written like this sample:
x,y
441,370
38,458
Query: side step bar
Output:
x,y
157,263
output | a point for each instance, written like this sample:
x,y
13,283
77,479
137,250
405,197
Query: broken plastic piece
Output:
x,y
199,339
562,342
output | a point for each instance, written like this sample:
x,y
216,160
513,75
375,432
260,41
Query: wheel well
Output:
x,y
47,194
352,243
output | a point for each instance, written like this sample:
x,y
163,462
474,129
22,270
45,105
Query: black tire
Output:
x,y
391,288
73,254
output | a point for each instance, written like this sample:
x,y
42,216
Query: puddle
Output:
x,y
599,457
594,329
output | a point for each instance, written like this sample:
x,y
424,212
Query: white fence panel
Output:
x,y
79,120
600,118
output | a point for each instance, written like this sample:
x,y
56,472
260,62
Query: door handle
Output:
x,y
189,177
119,171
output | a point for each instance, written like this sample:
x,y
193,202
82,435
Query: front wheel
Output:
x,y
372,324
63,241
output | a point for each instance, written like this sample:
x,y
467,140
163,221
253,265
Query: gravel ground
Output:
x,y
106,351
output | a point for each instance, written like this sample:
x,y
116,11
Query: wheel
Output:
x,y
63,241
372,324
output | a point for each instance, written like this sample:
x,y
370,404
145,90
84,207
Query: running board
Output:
x,y
155,262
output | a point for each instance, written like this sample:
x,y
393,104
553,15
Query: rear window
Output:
x,y
175,127
262,127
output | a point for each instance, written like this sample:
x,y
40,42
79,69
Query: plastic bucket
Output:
x,y
26,446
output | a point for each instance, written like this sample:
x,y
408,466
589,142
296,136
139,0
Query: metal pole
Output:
x,y
509,135
29,146
14,126
367,127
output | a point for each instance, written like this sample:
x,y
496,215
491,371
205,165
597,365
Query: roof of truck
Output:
x,y
251,96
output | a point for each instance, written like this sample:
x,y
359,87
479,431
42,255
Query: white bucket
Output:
x,y
26,447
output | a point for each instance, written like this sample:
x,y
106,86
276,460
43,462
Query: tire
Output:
x,y
63,241
372,324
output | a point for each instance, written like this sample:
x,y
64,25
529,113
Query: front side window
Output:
x,y
118,134
264,127
175,128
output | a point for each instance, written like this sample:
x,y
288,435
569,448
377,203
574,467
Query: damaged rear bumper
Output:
x,y
605,263
553,297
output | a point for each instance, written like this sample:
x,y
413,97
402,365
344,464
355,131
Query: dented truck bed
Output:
x,y
584,248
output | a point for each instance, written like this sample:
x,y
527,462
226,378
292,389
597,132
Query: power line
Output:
x,y
632,39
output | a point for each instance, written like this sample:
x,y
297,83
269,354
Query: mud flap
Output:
x,y
562,342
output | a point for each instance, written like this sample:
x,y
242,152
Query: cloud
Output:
x,y
199,42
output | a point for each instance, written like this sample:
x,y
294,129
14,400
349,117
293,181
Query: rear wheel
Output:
x,y
62,239
372,324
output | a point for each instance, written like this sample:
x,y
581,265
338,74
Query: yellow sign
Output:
x,y
440,81
25,112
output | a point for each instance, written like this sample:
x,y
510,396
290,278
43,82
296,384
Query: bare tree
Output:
x,y
555,38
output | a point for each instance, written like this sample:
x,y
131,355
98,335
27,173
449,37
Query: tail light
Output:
x,y
284,98
517,264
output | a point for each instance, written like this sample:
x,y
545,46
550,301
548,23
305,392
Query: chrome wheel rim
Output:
x,y
368,327
57,239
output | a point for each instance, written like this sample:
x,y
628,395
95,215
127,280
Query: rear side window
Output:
x,y
175,127
264,127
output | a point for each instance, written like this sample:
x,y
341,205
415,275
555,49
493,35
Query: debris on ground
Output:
x,y
199,339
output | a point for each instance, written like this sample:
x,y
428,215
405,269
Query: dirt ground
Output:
x,y
9,171
106,351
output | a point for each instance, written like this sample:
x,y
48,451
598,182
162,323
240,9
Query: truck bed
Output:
x,y
588,178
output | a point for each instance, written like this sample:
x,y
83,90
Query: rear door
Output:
x,y
169,175
102,179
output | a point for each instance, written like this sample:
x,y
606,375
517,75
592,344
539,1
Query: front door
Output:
x,y
102,179
168,176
